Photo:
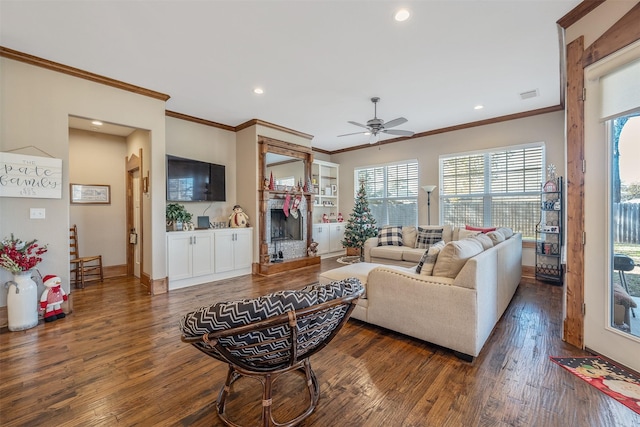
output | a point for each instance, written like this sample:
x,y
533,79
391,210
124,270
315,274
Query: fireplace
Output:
x,y
286,227
285,235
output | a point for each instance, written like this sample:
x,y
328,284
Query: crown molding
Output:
x,y
198,120
254,122
76,72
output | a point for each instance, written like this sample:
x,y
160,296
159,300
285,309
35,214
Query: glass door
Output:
x,y
624,134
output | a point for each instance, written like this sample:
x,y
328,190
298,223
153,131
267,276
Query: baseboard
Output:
x,y
110,271
528,274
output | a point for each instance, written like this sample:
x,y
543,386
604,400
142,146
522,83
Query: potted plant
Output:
x,y
176,216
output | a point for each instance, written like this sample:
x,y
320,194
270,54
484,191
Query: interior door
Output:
x,y
135,234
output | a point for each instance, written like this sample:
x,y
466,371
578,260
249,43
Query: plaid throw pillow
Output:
x,y
390,236
427,237
428,260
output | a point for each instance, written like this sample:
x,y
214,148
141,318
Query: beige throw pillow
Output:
x,y
506,232
465,234
484,240
454,256
409,235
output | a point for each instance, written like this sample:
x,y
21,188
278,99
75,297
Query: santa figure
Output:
x,y
52,298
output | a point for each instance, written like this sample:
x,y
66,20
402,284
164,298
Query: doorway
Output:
x,y
113,230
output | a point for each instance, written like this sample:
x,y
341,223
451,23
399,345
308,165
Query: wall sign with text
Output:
x,y
30,176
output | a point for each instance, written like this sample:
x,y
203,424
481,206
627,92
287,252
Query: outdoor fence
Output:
x,y
626,223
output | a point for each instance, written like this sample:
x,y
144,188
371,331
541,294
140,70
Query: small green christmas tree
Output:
x,y
361,224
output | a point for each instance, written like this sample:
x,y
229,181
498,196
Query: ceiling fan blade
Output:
x,y
355,133
358,124
398,132
395,122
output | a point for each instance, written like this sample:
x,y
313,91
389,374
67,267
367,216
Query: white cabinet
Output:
x,y
195,257
233,249
190,254
336,233
329,237
321,234
325,179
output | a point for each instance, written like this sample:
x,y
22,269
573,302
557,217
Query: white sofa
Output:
x,y
457,313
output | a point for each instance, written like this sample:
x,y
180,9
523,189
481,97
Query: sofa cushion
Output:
x,y
496,237
428,260
412,254
390,236
454,255
427,236
484,240
409,234
480,229
393,253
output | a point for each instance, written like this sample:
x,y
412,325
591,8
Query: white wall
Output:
x,y
35,104
547,128
209,144
95,158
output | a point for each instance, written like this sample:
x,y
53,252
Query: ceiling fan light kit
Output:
x,y
376,126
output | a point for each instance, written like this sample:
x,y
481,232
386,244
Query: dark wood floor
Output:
x,y
118,360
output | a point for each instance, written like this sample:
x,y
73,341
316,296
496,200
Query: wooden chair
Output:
x,y
83,268
266,337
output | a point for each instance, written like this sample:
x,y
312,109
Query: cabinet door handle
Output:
x,y
194,240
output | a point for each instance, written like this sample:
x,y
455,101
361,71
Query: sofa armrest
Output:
x,y
371,242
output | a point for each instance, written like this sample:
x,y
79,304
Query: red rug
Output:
x,y
610,379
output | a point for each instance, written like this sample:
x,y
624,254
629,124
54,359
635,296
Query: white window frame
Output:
x,y
411,195
486,194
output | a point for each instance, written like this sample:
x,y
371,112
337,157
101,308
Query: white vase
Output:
x,y
22,302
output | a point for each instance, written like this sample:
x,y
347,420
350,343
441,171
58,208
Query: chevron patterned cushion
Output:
x,y
225,315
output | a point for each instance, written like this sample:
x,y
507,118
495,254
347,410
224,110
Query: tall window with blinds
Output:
x,y
493,188
392,192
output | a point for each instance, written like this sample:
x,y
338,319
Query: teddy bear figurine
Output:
x,y
52,298
313,248
238,218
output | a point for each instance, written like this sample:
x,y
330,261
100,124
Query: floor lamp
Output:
x,y
429,189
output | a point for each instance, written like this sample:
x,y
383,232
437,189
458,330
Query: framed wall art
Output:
x,y
90,194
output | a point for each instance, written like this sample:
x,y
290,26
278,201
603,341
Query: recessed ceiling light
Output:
x,y
96,122
478,107
258,91
402,15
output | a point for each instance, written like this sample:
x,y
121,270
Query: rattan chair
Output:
x,y
266,337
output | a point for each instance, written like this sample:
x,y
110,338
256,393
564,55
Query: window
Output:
x,y
392,192
493,188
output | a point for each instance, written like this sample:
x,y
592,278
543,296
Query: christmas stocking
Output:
x,y
285,208
294,207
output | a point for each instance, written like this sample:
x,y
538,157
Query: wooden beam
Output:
x,y
621,34
578,12
574,276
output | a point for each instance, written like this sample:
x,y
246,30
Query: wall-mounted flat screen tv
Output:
x,y
194,181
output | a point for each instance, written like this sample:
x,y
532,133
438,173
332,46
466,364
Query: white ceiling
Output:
x,y
319,62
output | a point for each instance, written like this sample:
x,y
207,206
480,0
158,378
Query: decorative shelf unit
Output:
x,y
324,177
549,232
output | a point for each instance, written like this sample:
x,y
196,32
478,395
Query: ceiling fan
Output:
x,y
376,126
